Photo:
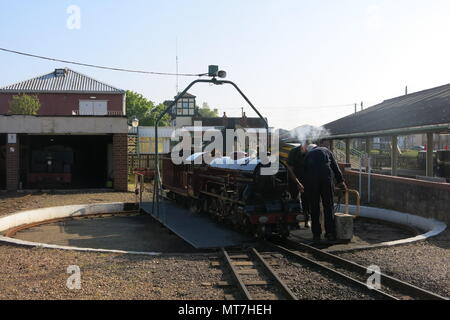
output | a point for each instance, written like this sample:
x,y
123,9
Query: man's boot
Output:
x,y
331,237
316,239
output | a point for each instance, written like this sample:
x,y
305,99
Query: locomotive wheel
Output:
x,y
264,231
214,208
194,206
222,207
235,216
247,227
206,206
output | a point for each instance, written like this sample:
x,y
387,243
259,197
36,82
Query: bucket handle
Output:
x,y
358,202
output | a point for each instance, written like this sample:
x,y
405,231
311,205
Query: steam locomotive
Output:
x,y
233,191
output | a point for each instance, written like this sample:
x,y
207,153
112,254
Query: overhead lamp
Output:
x,y
213,71
135,122
222,74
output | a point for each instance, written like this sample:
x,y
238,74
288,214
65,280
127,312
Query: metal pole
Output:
x,y
394,155
347,151
369,173
429,155
138,145
360,174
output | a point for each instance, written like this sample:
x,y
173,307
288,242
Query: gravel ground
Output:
x,y
32,273
308,284
425,264
41,274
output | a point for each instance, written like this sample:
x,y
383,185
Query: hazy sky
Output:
x,y
293,58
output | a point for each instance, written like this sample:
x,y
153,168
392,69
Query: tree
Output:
x,y
206,112
25,104
145,110
165,121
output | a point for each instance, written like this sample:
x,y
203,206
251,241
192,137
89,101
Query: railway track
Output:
x,y
351,272
254,277
252,273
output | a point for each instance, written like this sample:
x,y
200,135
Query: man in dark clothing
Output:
x,y
320,166
297,174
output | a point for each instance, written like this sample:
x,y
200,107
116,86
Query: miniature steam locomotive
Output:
x,y
233,191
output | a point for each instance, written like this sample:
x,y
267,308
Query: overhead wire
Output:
x,y
158,73
102,67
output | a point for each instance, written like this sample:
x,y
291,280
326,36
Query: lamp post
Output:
x,y
135,124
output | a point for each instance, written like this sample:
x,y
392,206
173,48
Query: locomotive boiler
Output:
x,y
233,191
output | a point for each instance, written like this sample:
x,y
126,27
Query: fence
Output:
x,y
378,161
141,161
355,155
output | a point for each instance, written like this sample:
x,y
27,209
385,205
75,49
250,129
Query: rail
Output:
x,y
244,286
397,289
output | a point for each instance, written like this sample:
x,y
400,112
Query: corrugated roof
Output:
x,y
61,80
423,108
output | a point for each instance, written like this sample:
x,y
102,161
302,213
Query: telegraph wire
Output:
x,y
158,73
298,107
102,67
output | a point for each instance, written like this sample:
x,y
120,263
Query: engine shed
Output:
x,y
76,140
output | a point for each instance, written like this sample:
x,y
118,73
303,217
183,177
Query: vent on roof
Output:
x,y
60,72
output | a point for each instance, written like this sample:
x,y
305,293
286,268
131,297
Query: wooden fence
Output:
x,y
142,161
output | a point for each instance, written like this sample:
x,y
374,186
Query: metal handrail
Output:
x,y
108,113
358,202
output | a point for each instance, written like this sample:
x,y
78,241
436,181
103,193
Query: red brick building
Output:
x,y
78,139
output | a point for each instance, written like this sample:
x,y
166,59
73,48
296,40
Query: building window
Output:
x,y
185,107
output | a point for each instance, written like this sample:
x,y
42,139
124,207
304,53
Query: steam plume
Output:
x,y
307,134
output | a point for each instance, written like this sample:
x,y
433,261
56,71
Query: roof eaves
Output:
x,y
444,127
60,91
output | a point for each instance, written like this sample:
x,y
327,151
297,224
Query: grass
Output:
x,y
405,153
410,153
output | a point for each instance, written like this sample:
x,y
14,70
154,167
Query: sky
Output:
x,y
299,61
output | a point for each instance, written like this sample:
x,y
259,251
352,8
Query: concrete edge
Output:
x,y
431,227
38,215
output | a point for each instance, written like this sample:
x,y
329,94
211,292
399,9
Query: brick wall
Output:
x,y
53,104
120,161
423,198
12,166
